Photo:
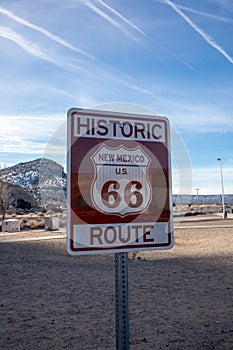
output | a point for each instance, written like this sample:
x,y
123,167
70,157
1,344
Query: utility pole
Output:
x,y
197,189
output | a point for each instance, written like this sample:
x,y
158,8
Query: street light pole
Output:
x,y
222,186
197,189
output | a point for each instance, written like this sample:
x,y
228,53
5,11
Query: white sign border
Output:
x,y
106,250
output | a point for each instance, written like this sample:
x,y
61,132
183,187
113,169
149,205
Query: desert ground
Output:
x,y
178,299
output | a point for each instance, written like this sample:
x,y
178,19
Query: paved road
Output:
x,y
203,221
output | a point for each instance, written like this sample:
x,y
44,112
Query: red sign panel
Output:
x,y
119,182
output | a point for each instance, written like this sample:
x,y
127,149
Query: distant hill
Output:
x,y
42,179
202,199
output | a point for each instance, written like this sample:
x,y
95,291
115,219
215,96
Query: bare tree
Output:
x,y
5,197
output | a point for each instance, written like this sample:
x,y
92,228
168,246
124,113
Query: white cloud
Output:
x,y
203,117
209,180
20,145
32,136
206,179
200,118
29,127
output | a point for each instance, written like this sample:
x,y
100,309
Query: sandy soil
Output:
x,y
179,299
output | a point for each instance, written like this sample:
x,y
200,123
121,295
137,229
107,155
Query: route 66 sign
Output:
x,y
121,185
119,182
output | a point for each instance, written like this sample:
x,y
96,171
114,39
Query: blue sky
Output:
x,y
172,57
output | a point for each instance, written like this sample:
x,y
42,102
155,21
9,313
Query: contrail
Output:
x,y
34,50
108,18
31,48
132,86
45,32
178,58
8,33
205,36
123,18
198,12
209,15
112,21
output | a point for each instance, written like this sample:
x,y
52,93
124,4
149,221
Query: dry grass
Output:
x,y
35,221
32,224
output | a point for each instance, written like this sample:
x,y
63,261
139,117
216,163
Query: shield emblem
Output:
x,y
121,185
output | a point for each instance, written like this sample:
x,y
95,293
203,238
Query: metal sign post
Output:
x,y
122,309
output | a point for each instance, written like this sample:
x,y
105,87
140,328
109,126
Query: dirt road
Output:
x,y
179,299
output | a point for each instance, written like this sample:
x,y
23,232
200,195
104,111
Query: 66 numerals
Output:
x,y
114,192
